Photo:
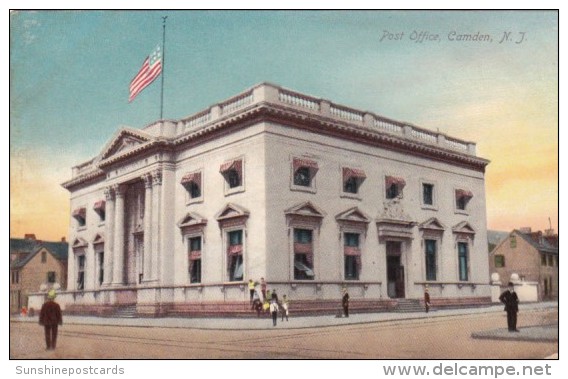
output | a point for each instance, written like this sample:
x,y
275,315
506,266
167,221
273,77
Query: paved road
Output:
x,y
445,335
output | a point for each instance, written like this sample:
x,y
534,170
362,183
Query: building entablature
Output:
x,y
267,102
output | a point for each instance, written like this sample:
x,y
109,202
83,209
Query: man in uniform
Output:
x,y
511,301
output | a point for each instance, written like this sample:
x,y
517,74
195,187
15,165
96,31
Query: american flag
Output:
x,y
151,69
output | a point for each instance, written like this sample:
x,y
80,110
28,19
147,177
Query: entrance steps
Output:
x,y
125,311
408,305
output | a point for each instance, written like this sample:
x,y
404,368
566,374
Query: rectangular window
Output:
x,y
43,257
351,270
462,259
499,261
236,268
513,241
543,259
81,272
303,236
303,254
351,185
195,271
430,255
461,203
392,191
51,277
428,194
235,261
235,238
195,260
15,277
352,256
303,174
351,239
101,267
550,259
233,172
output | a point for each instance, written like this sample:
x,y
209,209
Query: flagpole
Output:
x,y
163,66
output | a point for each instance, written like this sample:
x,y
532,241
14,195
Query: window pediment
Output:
x,y
432,224
463,228
99,238
79,242
231,211
353,215
191,219
306,209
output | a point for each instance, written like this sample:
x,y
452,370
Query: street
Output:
x,y
446,337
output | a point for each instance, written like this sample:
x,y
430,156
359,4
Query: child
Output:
x,y
285,305
274,312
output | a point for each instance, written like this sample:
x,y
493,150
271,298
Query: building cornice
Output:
x,y
267,102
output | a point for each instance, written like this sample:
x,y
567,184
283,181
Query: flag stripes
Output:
x,y
151,69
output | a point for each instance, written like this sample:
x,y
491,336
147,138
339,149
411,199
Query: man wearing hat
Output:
x,y
426,299
345,302
50,318
511,301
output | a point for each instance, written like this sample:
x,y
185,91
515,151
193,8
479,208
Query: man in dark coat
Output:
x,y
426,299
345,302
50,318
511,301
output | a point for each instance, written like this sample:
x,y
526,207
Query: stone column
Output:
x,y
156,206
118,261
146,261
109,234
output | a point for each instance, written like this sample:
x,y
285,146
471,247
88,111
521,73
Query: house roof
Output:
x,y
32,247
543,244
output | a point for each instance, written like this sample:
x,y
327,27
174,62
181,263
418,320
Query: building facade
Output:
x,y
311,195
35,264
532,256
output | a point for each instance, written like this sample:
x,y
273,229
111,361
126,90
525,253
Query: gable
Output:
x,y
79,242
231,211
125,140
306,209
463,227
191,219
432,224
353,215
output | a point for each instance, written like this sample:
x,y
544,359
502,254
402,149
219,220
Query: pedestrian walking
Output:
x,y
50,317
511,301
345,302
274,296
285,306
274,312
251,285
426,299
263,288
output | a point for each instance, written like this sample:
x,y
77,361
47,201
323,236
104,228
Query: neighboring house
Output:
x,y
531,255
272,183
32,264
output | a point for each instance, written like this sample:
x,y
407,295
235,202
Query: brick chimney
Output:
x,y
30,236
63,239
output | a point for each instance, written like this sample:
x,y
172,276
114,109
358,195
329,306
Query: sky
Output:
x,y
70,71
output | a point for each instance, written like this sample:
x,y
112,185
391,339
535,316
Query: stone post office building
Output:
x,y
311,195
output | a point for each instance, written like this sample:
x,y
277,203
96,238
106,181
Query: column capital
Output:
x,y
147,178
157,177
109,193
119,190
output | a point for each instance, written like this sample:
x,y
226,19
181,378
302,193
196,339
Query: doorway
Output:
x,y
395,270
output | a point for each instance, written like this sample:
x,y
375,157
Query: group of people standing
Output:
x,y
267,300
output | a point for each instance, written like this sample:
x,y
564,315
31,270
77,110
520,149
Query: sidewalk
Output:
x,y
265,322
